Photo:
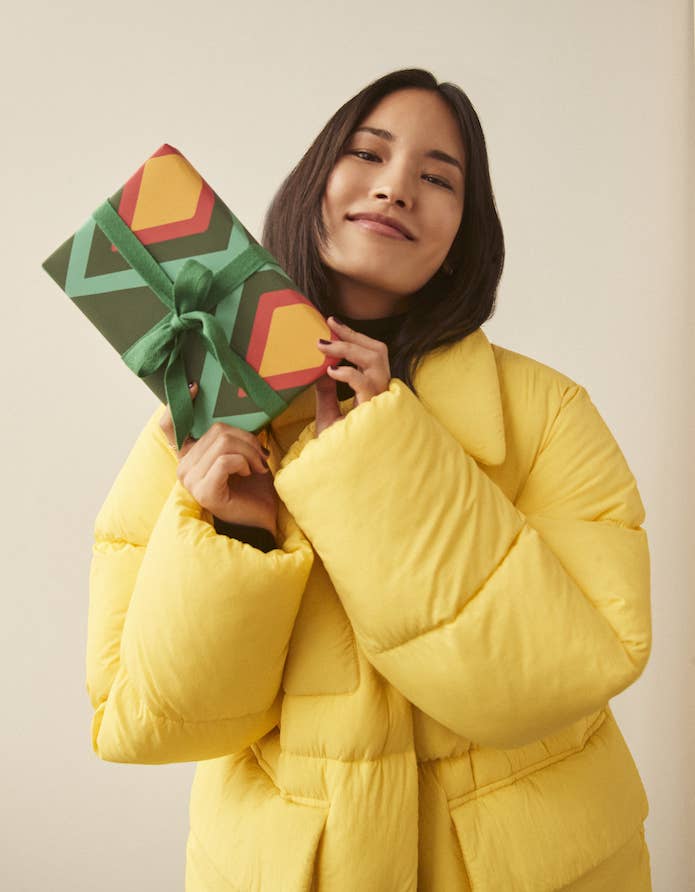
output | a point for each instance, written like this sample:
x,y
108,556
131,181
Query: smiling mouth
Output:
x,y
381,229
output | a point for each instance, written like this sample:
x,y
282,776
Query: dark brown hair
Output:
x,y
447,307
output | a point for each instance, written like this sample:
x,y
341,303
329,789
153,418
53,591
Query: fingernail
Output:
x,y
267,451
265,463
323,341
190,385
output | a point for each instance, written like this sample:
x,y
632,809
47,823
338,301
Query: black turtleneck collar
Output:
x,y
387,325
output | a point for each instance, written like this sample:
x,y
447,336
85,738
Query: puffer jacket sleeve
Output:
x,y
187,629
503,621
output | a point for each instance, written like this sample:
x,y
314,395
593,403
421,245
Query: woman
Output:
x,y
391,651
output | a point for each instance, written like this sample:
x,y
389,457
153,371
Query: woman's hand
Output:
x,y
225,471
370,378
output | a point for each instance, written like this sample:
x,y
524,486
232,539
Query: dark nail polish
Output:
x,y
265,463
267,451
323,341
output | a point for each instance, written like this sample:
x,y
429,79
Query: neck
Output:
x,y
357,301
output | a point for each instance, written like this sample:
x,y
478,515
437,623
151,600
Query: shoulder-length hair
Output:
x,y
447,307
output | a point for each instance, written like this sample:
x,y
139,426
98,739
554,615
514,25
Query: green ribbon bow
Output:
x,y
190,298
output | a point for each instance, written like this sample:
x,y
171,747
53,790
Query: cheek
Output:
x,y
338,194
444,225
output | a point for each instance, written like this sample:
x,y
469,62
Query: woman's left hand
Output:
x,y
370,378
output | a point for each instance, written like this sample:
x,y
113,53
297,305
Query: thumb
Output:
x,y
327,408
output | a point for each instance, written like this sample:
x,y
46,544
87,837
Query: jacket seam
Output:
x,y
449,620
457,801
564,400
337,693
438,759
183,721
359,761
203,849
102,539
312,801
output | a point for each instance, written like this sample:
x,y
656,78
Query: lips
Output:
x,y
383,224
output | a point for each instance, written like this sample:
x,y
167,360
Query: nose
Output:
x,y
394,187
388,195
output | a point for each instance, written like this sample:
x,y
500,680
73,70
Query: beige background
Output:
x,y
587,110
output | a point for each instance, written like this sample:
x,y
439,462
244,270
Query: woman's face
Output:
x,y
392,173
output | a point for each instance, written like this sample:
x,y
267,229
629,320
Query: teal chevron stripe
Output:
x,y
211,377
77,285
250,421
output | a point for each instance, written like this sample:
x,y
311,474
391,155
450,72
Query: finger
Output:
x,y
327,408
360,356
214,485
242,436
186,447
354,378
205,452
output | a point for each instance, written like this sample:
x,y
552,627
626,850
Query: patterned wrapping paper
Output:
x,y
178,286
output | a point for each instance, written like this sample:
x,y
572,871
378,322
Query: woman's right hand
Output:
x,y
225,471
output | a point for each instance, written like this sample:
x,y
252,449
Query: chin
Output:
x,y
376,279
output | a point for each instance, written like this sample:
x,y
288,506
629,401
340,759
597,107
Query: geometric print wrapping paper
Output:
x,y
265,320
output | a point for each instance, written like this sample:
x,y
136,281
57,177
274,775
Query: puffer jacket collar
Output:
x,y
458,384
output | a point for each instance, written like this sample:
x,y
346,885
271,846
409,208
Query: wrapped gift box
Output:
x,y
177,285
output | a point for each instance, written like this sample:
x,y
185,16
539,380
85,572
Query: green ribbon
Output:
x,y
190,298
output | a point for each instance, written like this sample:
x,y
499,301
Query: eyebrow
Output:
x,y
433,153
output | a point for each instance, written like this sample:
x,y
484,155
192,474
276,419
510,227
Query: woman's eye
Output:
x,y
362,152
429,176
438,181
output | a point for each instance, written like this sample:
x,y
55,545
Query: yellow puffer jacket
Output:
x,y
411,691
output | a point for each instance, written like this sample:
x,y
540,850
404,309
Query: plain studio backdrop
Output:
x,y
587,112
